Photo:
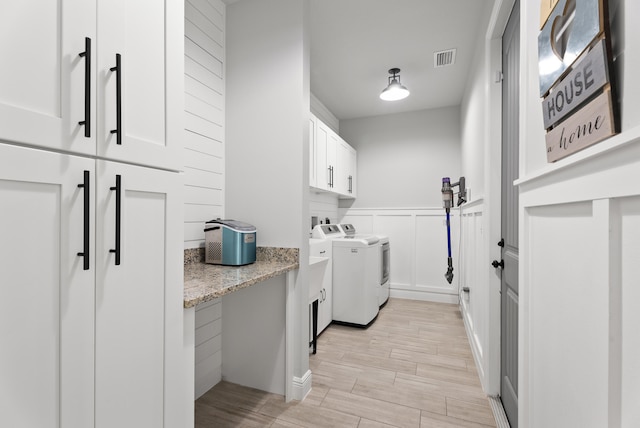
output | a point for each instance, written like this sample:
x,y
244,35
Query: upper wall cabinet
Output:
x,y
346,161
333,167
94,78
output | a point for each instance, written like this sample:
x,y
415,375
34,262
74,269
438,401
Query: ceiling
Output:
x,y
355,42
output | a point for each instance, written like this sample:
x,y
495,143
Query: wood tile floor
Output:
x,y
411,368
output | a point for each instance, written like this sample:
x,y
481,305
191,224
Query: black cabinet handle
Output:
x,y
87,87
118,70
118,189
85,247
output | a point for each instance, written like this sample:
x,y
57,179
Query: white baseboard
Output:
x,y
301,386
424,295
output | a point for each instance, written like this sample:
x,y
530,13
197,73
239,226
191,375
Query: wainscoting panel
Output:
x,y
568,243
626,268
474,277
418,238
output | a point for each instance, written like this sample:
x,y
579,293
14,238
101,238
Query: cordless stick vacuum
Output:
x,y
447,202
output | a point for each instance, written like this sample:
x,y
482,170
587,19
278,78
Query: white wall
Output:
x,y
267,168
323,205
580,219
204,117
480,217
403,157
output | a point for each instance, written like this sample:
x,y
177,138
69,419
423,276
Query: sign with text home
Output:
x,y
574,63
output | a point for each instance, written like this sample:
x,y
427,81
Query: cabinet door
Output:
x,y
138,301
42,78
322,168
332,159
148,35
46,296
352,172
342,168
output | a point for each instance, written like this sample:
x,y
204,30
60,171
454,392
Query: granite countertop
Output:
x,y
204,282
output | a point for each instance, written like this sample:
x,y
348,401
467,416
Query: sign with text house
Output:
x,y
574,63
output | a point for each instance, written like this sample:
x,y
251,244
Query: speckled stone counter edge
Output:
x,y
266,254
204,282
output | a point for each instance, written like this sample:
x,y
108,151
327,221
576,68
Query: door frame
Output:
x,y
493,184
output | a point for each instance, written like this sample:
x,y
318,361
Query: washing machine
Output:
x,y
384,251
385,269
356,280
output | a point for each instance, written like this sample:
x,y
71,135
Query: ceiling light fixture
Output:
x,y
395,91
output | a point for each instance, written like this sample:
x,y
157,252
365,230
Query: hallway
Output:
x,y
412,368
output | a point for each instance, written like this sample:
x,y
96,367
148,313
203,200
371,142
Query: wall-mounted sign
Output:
x,y
590,125
587,76
546,6
570,29
574,62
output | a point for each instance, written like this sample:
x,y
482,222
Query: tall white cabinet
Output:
x,y
90,225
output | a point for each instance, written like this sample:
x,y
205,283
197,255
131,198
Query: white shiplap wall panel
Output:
x,y
202,144
203,110
203,92
204,116
204,162
214,10
202,195
204,158
195,69
208,341
204,127
196,15
207,211
196,177
323,205
202,56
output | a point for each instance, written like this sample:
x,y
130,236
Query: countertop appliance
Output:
x,y
229,242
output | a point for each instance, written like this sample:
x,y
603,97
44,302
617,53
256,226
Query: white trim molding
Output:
x,y
301,386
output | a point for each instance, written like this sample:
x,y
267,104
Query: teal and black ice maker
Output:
x,y
229,242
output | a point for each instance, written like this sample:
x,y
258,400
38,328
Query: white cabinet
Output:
x,y
138,301
323,176
42,86
333,166
149,36
346,170
46,297
323,248
75,335
46,90
99,345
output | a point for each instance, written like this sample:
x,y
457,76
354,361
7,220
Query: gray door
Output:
x,y
509,283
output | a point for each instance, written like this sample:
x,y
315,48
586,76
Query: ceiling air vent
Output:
x,y
444,58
